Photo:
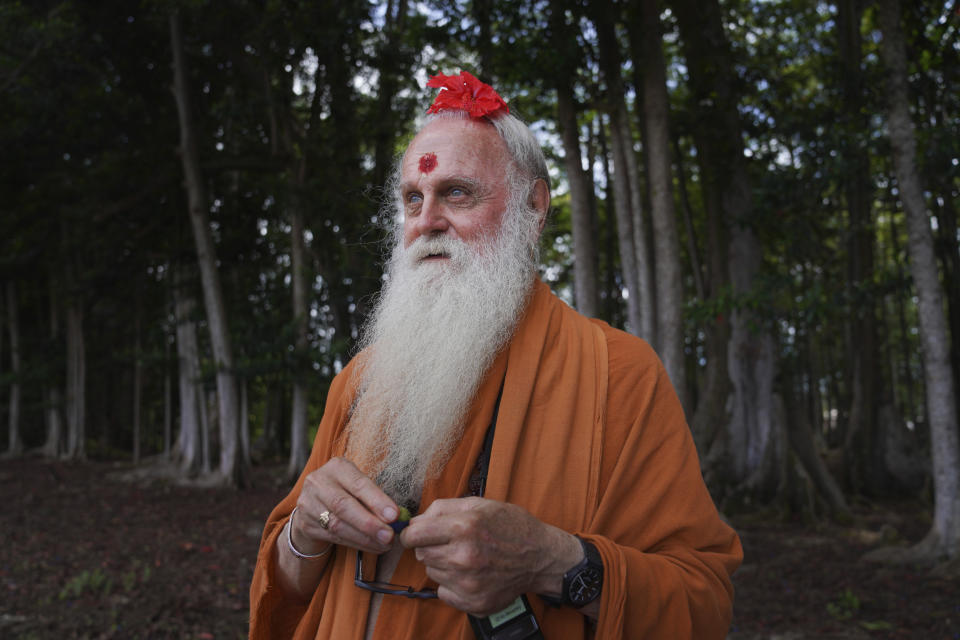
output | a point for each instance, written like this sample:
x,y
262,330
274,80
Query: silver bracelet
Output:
x,y
293,549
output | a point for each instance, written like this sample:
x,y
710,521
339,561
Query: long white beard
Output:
x,y
433,335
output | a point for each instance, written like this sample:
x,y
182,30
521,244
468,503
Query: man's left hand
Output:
x,y
484,553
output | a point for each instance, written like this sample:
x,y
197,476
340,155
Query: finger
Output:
x,y
331,489
448,506
348,521
341,532
427,532
442,526
461,557
361,487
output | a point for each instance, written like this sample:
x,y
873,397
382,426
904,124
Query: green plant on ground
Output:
x,y
135,576
845,606
87,581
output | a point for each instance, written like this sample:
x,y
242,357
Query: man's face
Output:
x,y
453,183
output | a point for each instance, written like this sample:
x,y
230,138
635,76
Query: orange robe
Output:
x,y
590,438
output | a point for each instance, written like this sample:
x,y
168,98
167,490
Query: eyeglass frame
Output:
x,y
388,588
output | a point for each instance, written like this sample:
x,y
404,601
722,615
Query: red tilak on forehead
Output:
x,y
428,162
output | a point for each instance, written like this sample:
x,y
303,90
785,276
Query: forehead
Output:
x,y
463,147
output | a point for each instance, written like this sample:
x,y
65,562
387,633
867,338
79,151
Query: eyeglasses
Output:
x,y
386,587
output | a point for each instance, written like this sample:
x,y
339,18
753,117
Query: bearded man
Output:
x,y
557,485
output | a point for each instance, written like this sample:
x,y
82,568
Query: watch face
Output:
x,y
585,586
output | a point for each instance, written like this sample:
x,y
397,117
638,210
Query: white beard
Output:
x,y
433,334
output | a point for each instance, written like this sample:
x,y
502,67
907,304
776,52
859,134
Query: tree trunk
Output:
x,y
231,469
624,221
863,449
803,444
14,442
298,282
669,281
53,445
712,414
752,435
137,382
206,450
948,249
76,382
611,290
188,450
944,536
299,270
620,146
167,400
641,232
244,422
751,362
581,224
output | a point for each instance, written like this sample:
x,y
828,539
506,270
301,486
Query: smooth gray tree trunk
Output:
x,y
641,233
298,284
943,540
188,450
231,468
581,223
669,280
621,146
624,219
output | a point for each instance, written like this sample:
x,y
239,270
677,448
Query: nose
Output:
x,y
430,220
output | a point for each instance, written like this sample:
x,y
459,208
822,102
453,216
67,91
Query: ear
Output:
x,y
540,200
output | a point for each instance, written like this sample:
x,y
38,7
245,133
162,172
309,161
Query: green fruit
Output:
x,y
403,519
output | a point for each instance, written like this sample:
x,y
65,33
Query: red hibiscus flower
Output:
x,y
465,92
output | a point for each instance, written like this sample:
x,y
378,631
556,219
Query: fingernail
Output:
x,y
384,535
390,514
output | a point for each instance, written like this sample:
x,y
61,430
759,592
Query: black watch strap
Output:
x,y
583,583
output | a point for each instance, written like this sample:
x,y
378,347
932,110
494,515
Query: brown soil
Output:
x,y
87,555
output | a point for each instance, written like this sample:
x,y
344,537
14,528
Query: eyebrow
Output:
x,y
446,181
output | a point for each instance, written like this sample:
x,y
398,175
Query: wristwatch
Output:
x,y
583,583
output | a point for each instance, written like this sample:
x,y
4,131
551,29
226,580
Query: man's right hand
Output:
x,y
359,512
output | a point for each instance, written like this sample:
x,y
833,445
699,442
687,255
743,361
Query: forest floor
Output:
x,y
87,555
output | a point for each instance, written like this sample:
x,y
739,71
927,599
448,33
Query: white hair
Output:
x,y
528,164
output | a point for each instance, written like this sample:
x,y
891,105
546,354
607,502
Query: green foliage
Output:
x,y
98,583
846,605
95,583
135,576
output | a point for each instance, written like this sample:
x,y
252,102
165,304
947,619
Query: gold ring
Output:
x,y
324,519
